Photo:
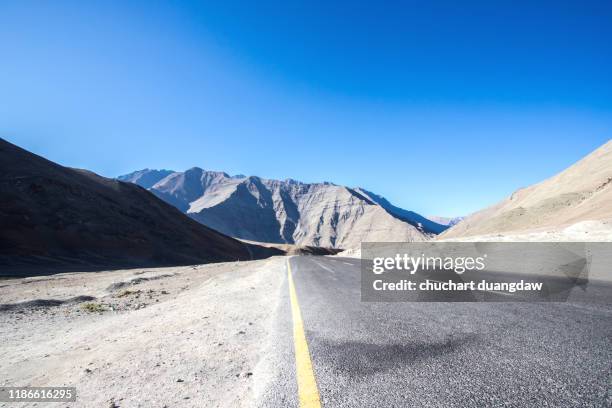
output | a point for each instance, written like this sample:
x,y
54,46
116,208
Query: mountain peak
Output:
x,y
145,178
89,221
290,211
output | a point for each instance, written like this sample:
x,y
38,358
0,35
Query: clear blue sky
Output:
x,y
443,108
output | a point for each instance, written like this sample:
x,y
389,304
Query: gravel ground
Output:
x,y
166,337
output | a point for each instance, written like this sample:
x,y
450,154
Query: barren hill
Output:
x,y
580,194
53,216
288,211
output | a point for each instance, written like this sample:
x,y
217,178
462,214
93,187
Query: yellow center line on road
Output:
x,y
308,392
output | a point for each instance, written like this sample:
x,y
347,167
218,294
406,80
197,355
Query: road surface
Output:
x,y
433,354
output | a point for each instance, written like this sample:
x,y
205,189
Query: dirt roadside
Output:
x,y
165,337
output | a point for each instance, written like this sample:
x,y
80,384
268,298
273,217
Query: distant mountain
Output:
x,y
56,217
145,178
318,214
581,193
446,221
410,217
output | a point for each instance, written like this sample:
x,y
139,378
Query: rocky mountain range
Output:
x,y
62,217
288,211
581,194
57,217
446,221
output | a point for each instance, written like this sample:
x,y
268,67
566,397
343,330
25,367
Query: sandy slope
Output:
x,y
583,192
182,336
584,231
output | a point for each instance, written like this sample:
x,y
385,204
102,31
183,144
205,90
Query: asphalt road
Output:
x,y
437,354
